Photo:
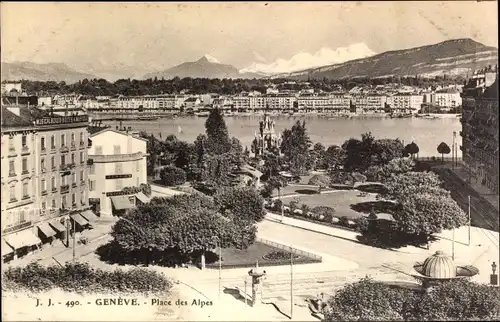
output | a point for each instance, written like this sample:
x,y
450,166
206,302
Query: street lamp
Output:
x,y
68,223
453,148
493,268
218,244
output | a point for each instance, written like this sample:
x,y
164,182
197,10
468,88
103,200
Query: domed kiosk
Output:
x,y
441,267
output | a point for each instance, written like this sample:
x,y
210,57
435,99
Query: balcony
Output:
x,y
64,149
43,150
24,172
12,174
53,149
43,170
25,197
12,200
66,167
82,143
44,192
74,184
54,189
65,188
25,150
73,145
117,157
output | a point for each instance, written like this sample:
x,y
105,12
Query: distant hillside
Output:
x,y
42,72
452,57
205,67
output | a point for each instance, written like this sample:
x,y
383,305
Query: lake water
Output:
x,y
427,133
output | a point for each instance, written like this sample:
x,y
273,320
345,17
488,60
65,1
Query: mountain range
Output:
x,y
451,57
205,67
42,72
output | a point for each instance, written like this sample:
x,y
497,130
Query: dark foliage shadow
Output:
x,y
307,191
112,253
377,206
372,188
341,187
381,234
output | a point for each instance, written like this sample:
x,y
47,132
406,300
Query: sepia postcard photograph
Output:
x,y
250,161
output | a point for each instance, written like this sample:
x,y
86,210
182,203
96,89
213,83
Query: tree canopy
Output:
x,y
218,141
295,146
456,300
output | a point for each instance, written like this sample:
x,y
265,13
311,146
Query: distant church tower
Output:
x,y
266,139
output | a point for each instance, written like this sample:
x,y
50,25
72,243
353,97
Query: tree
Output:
x,y
295,147
411,149
318,154
368,300
385,150
218,141
240,203
359,153
218,170
172,176
443,149
334,157
459,300
427,213
412,182
381,173
455,300
182,225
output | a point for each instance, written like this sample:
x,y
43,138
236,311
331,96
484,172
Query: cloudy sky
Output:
x,y
161,35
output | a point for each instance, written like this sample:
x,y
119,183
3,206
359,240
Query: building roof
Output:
x,y
26,117
12,120
103,130
191,99
438,266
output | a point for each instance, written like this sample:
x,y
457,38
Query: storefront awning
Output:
x,y
142,197
46,230
6,249
89,215
122,202
79,219
56,224
22,239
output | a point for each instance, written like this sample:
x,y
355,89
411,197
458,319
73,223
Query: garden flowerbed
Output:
x,y
264,254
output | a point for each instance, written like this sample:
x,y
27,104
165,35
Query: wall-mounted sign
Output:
x,y
118,176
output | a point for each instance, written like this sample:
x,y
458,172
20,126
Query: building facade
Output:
x,y
480,127
44,174
118,161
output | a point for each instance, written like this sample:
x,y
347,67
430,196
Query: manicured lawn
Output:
x,y
232,258
341,200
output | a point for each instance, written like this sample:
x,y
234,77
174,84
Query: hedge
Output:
x,y
323,214
82,278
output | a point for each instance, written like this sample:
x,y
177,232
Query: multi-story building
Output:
x,y
280,102
241,103
480,127
405,102
446,98
44,174
118,161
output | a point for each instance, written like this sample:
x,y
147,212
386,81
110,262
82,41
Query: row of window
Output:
x,y
73,160
14,218
63,141
52,141
54,204
117,149
64,181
